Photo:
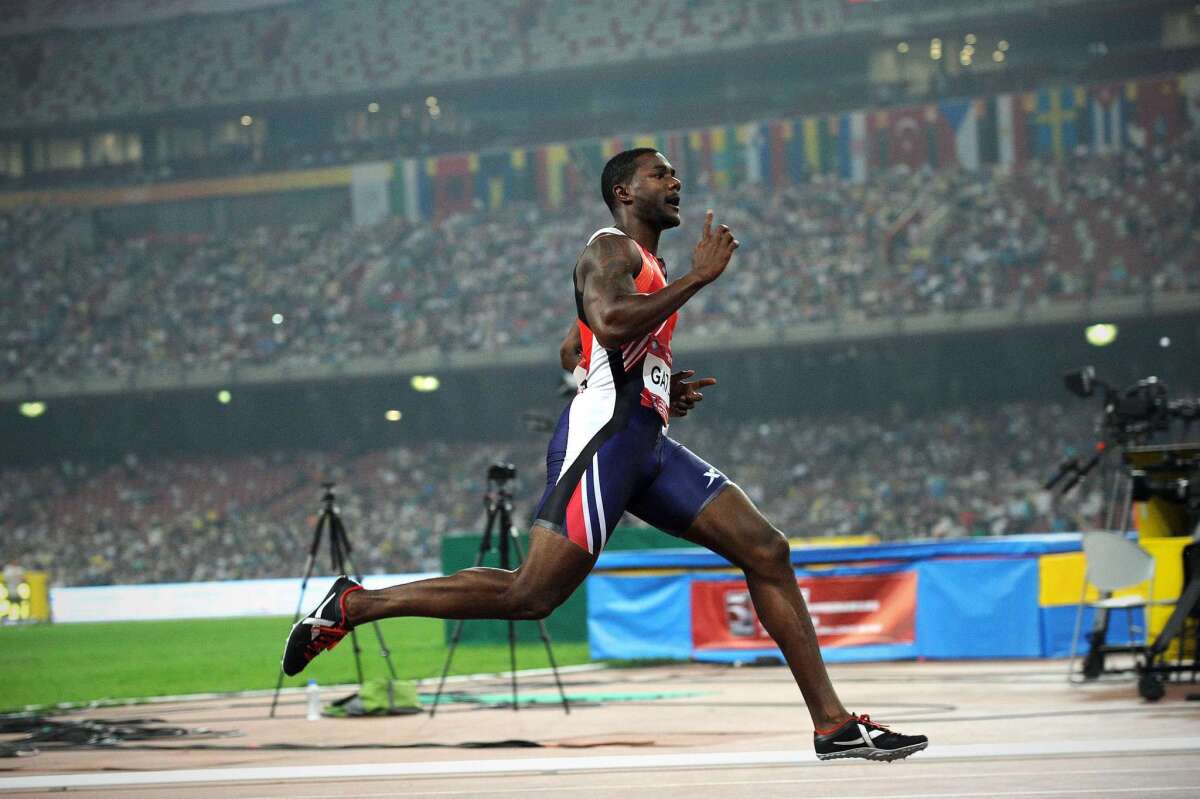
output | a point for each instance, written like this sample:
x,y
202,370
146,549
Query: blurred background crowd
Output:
x,y
961,473
1094,226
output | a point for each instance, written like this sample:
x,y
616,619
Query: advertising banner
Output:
x,y
848,610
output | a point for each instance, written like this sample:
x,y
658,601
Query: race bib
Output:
x,y
656,377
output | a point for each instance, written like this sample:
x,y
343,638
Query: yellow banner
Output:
x,y
29,602
183,190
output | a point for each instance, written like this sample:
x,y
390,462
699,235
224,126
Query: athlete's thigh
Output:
x,y
554,566
683,487
597,474
733,527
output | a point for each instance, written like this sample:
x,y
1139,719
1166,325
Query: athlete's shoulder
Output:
x,y
611,248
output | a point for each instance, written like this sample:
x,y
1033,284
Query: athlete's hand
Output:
x,y
712,254
684,394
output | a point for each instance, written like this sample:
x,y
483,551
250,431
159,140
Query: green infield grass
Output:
x,y
53,663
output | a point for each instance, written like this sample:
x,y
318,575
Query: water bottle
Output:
x,y
314,701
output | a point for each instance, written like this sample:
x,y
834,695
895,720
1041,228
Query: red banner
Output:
x,y
847,611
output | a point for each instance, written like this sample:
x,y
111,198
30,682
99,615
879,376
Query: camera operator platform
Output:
x,y
1164,482
1165,479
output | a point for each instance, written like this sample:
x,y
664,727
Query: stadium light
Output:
x,y
277,319
902,47
372,108
969,38
393,415
1165,341
935,49
1002,45
425,383
32,410
1100,335
224,397
247,120
998,56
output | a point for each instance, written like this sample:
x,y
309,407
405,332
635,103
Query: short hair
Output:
x,y
620,169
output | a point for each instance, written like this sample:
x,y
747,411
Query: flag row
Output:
x,y
1004,130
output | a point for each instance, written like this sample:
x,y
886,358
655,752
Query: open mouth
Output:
x,y
674,200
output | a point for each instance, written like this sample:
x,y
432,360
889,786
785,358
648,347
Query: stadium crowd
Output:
x,y
957,473
59,71
902,243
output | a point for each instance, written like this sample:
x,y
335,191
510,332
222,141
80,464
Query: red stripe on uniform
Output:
x,y
576,529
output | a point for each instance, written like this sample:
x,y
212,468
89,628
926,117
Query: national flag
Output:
x,y
986,121
820,155
453,180
901,137
850,145
494,183
724,157
795,155
406,188
550,165
1054,121
1189,87
756,151
699,158
1012,134
1160,109
589,159
778,133
958,133
524,186
1104,125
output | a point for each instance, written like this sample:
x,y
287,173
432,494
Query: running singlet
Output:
x,y
646,359
610,453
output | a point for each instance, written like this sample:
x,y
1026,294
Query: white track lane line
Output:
x,y
535,765
575,790
894,775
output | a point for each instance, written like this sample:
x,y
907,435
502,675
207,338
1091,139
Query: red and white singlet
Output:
x,y
647,358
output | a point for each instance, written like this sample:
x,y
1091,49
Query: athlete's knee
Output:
x,y
532,606
527,603
769,555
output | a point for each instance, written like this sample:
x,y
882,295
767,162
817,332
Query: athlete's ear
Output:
x,y
621,194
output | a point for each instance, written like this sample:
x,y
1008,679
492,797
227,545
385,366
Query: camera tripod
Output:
x,y
498,501
339,556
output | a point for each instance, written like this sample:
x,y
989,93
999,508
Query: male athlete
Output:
x,y
611,453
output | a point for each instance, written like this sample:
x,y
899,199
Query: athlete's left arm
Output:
x,y
684,393
571,349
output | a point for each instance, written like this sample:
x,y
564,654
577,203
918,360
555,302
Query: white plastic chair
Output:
x,y
1114,562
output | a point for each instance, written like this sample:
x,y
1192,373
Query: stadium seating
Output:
x,y
302,50
1094,226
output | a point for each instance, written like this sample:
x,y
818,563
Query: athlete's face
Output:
x,y
655,191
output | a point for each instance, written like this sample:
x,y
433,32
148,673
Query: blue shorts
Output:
x,y
597,473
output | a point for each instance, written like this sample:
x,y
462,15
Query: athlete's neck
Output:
x,y
641,232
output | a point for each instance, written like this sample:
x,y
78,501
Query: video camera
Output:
x,y
1132,414
501,472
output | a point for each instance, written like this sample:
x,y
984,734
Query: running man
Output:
x,y
610,454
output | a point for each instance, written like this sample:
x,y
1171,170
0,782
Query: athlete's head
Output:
x,y
642,183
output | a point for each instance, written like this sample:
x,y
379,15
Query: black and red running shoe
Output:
x,y
322,629
861,737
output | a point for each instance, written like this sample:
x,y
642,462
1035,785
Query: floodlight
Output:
x,y
1100,335
32,410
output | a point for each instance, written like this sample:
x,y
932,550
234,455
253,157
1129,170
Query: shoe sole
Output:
x,y
881,755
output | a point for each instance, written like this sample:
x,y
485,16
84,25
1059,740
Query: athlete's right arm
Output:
x,y
616,311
